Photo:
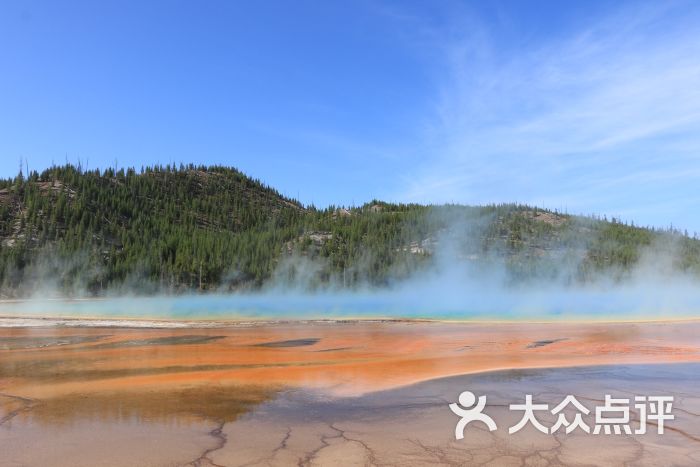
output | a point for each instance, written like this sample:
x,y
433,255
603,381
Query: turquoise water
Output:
x,y
640,302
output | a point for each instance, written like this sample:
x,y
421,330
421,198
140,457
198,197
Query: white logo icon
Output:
x,y
462,409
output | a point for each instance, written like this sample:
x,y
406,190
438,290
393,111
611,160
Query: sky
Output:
x,y
587,107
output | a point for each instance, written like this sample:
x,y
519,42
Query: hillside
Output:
x,y
175,229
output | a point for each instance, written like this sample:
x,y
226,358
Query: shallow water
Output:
x,y
324,393
413,425
405,426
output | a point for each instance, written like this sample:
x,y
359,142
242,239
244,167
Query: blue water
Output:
x,y
421,303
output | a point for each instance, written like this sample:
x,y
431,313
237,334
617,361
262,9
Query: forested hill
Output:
x,y
177,229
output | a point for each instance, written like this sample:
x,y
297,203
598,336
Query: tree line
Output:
x,y
204,228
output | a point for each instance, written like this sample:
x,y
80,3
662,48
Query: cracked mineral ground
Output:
x,y
337,393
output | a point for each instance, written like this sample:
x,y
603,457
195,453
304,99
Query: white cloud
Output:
x,y
588,119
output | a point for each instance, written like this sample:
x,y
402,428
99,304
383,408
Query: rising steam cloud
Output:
x,y
461,281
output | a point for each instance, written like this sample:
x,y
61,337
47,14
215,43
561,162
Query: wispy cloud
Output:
x,y
603,118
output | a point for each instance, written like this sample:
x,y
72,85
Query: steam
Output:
x,y
456,275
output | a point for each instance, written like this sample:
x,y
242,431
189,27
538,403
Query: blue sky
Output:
x,y
592,107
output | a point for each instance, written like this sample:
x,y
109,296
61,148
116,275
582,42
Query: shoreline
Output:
x,y
95,321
